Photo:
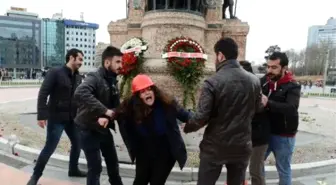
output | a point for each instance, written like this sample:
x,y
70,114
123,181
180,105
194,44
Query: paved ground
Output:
x,y
12,176
57,176
319,120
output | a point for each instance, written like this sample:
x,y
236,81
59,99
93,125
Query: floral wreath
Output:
x,y
186,61
132,62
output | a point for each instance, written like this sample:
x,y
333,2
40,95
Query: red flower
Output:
x,y
129,61
129,58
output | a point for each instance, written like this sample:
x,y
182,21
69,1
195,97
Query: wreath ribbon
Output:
x,y
184,55
135,49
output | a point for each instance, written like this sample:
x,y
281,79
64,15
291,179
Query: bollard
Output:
x,y
12,141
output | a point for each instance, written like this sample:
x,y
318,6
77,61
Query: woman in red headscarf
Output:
x,y
154,140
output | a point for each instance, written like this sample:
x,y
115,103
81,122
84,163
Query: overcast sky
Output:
x,y
281,22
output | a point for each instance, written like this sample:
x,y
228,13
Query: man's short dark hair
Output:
x,y
110,52
281,56
72,52
246,65
228,47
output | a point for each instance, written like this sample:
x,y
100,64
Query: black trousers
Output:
x,y
209,173
154,171
94,144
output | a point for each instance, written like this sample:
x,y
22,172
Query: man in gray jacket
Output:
x,y
228,102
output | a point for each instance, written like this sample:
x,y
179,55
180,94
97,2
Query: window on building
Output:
x,y
93,40
76,33
81,45
76,39
81,40
67,32
85,40
76,45
67,38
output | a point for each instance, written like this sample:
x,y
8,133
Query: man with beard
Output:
x,y
98,96
59,84
229,99
281,102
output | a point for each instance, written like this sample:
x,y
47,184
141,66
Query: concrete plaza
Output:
x,y
317,125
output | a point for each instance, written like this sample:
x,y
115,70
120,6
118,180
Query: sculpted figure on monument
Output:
x,y
228,4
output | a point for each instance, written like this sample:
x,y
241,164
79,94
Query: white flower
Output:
x,y
134,42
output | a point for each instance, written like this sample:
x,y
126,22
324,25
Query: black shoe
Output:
x,y
77,173
33,181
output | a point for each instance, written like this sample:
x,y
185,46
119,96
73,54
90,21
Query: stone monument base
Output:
x,y
158,27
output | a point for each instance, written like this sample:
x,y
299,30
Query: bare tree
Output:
x,y
294,58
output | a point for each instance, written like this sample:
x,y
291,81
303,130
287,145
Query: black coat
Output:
x,y
176,143
98,93
59,84
260,127
282,107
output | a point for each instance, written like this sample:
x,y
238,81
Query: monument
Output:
x,y
157,22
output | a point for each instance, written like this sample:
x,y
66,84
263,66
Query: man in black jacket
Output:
x,y
98,96
58,113
282,95
260,139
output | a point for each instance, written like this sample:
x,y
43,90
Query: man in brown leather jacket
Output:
x,y
229,99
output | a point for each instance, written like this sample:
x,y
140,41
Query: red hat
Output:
x,y
141,82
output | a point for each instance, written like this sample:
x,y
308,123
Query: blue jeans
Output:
x,y
54,133
282,148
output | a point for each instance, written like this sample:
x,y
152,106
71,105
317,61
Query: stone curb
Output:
x,y
187,174
18,86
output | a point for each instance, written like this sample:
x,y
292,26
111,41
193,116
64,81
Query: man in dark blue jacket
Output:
x,y
58,112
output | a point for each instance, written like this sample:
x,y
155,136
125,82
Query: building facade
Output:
x,y
99,51
82,35
20,43
320,33
53,42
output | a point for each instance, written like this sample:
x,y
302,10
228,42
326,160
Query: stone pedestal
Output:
x,y
157,27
